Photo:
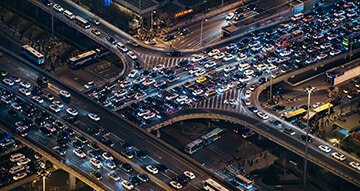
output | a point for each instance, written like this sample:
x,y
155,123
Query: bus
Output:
x,y
242,182
212,135
351,39
194,146
294,114
81,59
211,185
82,22
33,54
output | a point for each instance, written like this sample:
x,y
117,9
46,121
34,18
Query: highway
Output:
x,y
120,129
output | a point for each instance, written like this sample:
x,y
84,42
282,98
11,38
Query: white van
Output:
x,y
244,66
297,16
69,14
16,157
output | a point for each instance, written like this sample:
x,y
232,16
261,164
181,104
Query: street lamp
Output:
x,y
201,31
152,19
308,90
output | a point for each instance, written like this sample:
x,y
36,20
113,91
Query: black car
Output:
x,y
183,31
143,177
78,145
175,53
170,37
137,65
239,10
182,179
251,7
141,155
207,50
126,145
134,180
126,167
97,175
42,81
45,131
303,137
110,39
161,167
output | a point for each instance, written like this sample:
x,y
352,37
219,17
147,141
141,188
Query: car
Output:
x,y
183,31
222,89
111,164
59,150
201,79
54,108
19,176
162,167
338,156
95,31
355,165
25,84
23,161
94,21
96,163
170,37
114,176
248,134
94,116
231,102
89,85
189,174
289,131
152,169
64,93
42,81
127,185
38,99
128,154
8,81
175,53
80,153
132,55
110,39
213,52
126,167
219,55
58,8
230,16
325,148
303,138
335,52
210,65
96,174
72,111
175,184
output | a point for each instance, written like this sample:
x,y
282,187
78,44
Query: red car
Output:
x,y
189,67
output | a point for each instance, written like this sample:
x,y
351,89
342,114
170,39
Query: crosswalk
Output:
x,y
149,61
219,152
217,102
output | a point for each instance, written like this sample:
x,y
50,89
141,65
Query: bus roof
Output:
x,y
33,51
194,143
323,107
218,186
212,133
243,178
295,113
83,55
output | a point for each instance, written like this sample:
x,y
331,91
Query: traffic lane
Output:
x,y
313,152
112,124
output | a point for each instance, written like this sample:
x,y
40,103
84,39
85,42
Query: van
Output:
x,y
69,14
16,169
297,16
16,157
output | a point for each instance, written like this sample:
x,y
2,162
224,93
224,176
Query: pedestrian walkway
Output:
x,y
150,61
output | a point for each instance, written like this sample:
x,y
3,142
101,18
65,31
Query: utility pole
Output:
x,y
201,32
308,90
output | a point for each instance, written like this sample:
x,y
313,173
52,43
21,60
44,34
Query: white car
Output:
x,y
181,98
189,174
25,84
25,91
249,72
196,58
200,73
121,46
338,156
247,102
133,73
228,57
125,84
210,65
132,55
158,67
241,57
38,99
96,163
8,81
54,108
230,102
247,78
248,93
230,16
194,70
197,92
72,111
223,89
58,8
175,184
107,156
23,161
94,116
213,52
326,45
262,115
20,175
16,106
152,169
64,93
335,52
229,68
219,56
149,115
231,46
114,176
321,56
325,148
144,112
80,153
285,53
110,164
127,185
355,165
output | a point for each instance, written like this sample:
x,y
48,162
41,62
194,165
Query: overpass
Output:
x,y
54,160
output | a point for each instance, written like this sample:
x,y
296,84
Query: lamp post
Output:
x,y
201,31
308,90
152,19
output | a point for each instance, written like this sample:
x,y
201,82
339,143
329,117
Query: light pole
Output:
x,y
44,183
152,19
201,31
308,90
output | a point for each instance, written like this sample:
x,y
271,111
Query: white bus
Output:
x,y
33,54
69,14
242,182
194,146
210,185
17,156
81,59
82,22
